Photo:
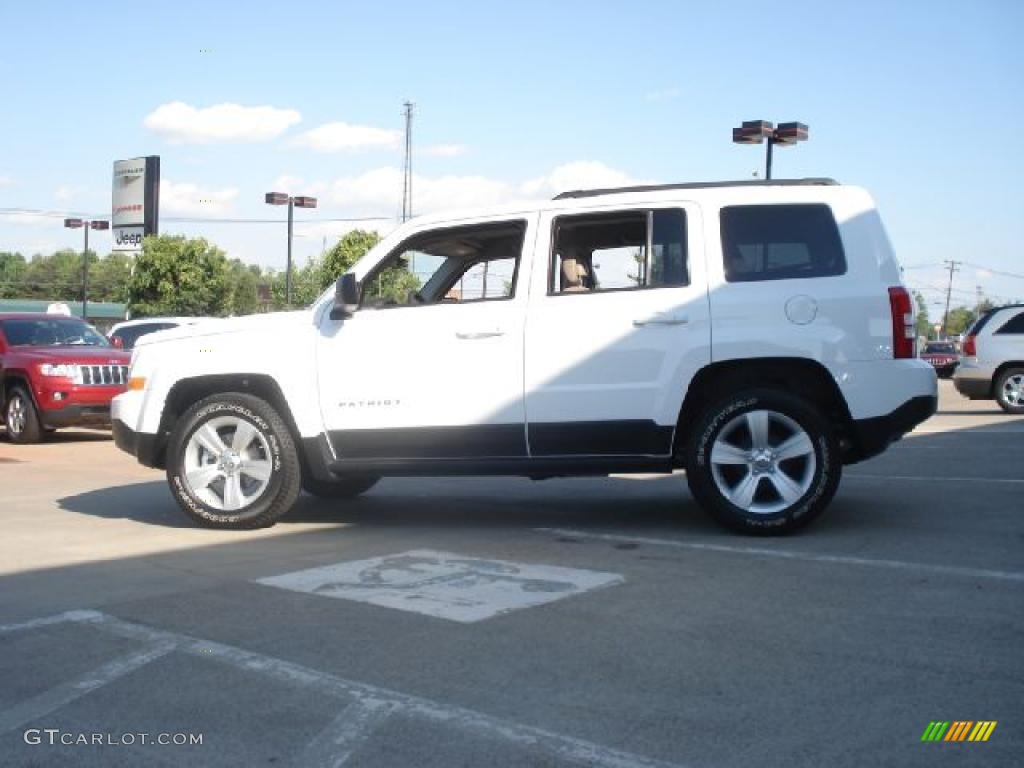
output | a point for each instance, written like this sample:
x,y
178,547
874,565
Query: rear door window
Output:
x,y
780,242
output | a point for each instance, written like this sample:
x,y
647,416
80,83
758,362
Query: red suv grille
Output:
x,y
104,375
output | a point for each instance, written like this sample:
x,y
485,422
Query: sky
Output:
x,y
919,102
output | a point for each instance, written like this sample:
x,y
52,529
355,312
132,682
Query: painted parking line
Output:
x,y
788,554
369,705
55,698
444,585
353,726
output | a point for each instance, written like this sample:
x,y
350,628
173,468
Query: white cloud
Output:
x,y
296,185
333,230
342,137
184,197
983,274
65,193
182,123
444,150
582,174
381,189
6,181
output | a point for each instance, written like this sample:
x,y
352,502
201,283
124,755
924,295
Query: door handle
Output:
x,y
662,318
472,335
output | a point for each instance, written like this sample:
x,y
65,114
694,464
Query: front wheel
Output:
x,y
763,462
232,463
1010,390
21,417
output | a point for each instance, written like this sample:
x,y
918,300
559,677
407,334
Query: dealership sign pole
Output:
x,y
136,202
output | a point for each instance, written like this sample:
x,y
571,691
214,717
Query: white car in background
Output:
x,y
992,366
130,331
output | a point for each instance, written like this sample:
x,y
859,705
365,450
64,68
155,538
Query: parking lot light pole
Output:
x,y
86,225
756,131
300,201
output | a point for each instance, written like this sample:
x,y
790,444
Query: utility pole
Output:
x,y
977,302
954,266
407,168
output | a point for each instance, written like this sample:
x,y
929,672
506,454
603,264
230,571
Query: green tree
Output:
x,y
55,277
958,321
924,327
12,274
245,280
178,276
346,252
305,285
108,277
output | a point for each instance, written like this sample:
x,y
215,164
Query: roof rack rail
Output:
x,y
810,182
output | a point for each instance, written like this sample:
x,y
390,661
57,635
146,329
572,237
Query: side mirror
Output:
x,y
346,296
117,341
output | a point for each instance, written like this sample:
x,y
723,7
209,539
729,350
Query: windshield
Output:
x,y
52,332
940,349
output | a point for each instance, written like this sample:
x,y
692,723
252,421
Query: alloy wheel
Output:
x,y
227,463
763,461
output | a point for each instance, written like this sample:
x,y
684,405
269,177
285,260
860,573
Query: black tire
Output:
x,y
821,478
1001,393
272,447
346,487
21,417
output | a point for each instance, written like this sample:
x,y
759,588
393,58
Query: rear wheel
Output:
x,y
1010,390
347,487
21,417
232,463
763,462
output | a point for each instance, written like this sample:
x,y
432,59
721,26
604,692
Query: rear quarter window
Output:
x,y
780,242
1015,325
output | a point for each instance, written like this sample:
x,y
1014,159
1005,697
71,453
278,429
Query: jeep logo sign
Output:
x,y
135,202
128,238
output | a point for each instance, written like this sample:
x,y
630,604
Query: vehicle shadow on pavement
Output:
x,y
638,504
68,436
641,503
447,502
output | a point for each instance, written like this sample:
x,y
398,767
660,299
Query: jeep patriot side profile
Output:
x,y
755,334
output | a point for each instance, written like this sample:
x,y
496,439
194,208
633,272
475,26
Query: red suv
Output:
x,y
56,371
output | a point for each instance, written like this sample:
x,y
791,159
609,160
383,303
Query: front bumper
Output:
x,y
75,415
148,449
872,436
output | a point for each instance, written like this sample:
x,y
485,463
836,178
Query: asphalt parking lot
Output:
x,y
496,621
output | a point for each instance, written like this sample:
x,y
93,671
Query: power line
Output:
x,y
189,219
995,271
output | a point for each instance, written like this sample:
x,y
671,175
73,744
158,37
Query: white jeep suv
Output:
x,y
755,334
992,365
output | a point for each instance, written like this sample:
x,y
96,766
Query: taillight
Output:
x,y
970,348
903,331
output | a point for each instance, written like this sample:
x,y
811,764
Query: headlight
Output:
x,y
63,371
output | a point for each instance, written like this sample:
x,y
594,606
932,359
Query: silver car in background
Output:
x,y
992,365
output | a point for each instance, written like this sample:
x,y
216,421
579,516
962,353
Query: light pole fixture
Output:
x,y
97,224
756,131
300,201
